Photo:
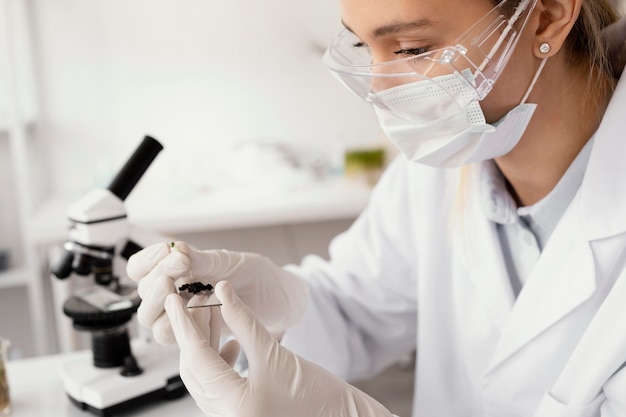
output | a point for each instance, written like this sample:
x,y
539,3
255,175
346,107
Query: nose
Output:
x,y
382,82
388,72
385,70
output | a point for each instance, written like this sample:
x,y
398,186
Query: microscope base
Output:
x,y
104,391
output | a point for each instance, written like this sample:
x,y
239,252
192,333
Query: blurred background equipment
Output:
x,y
5,398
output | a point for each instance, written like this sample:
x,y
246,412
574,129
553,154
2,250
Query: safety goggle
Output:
x,y
475,60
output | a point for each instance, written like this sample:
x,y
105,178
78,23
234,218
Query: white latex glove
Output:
x,y
276,296
279,383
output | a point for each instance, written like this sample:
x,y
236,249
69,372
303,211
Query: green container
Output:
x,y
364,164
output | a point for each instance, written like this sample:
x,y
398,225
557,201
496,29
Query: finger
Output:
x,y
216,264
204,317
153,295
210,369
212,403
162,330
158,284
142,262
200,261
183,247
230,352
173,266
215,325
254,339
189,379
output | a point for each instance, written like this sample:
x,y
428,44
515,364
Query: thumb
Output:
x,y
254,338
192,340
142,262
230,352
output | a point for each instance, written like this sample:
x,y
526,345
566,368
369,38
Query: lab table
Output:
x,y
36,391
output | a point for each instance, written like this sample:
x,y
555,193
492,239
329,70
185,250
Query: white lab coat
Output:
x,y
422,268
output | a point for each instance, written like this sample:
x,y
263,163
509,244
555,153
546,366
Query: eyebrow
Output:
x,y
396,28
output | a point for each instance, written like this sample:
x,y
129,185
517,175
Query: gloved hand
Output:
x,y
276,296
615,37
279,383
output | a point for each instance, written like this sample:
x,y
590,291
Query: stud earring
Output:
x,y
544,48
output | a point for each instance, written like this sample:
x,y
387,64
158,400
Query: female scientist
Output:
x,y
496,247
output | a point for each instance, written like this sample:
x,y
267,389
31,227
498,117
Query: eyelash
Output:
x,y
409,51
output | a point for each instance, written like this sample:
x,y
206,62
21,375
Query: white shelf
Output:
x,y
14,277
17,113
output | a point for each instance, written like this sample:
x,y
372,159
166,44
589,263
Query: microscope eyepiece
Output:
x,y
137,164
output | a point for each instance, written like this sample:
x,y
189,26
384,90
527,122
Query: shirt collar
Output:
x,y
498,205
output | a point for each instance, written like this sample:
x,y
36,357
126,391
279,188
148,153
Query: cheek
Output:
x,y
510,88
493,106
506,94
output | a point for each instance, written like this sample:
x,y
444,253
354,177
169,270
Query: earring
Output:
x,y
544,48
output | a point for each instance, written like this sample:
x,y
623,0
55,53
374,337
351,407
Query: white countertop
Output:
x,y
334,199
36,391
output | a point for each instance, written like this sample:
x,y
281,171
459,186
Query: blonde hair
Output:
x,y
584,44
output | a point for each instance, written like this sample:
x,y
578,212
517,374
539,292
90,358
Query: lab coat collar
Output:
x,y
604,185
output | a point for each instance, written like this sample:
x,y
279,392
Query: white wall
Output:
x,y
199,75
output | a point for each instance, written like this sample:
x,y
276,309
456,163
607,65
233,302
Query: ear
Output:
x,y
556,19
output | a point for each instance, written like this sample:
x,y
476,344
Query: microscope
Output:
x,y
117,377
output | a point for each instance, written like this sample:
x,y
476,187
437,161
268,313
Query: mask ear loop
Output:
x,y
534,80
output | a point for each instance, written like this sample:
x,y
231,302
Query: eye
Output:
x,y
411,51
359,44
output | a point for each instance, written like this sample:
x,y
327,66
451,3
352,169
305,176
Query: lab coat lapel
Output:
x,y
563,279
581,380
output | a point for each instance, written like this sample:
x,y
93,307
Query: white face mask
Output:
x,y
460,138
